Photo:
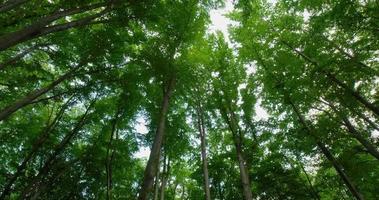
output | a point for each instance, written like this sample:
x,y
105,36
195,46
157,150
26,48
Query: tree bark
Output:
x,y
37,29
152,164
36,146
6,112
36,180
11,4
201,127
337,166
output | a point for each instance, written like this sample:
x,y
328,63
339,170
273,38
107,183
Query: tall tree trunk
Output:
x,y
6,112
152,164
37,29
35,147
165,175
237,139
352,58
156,186
371,149
312,188
201,127
11,4
110,154
337,166
43,171
361,115
334,79
174,191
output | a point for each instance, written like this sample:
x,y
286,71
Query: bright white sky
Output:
x,y
219,22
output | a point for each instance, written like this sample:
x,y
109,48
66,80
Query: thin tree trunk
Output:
x,y
312,188
36,180
183,192
156,187
46,185
354,93
152,164
237,139
16,57
361,115
175,188
6,112
351,57
339,83
36,146
11,4
367,144
201,127
110,154
337,166
371,149
36,30
166,170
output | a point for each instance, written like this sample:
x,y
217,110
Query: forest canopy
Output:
x,y
283,106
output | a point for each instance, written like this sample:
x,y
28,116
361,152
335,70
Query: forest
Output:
x,y
142,99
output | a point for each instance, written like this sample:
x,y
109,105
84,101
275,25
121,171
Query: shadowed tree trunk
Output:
x,y
371,149
17,57
334,79
156,186
337,166
232,122
11,4
201,127
36,146
110,153
152,164
41,28
165,175
43,171
26,100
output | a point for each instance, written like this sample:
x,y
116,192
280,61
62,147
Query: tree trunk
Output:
x,y
201,127
156,187
6,112
110,154
16,57
312,188
352,58
339,83
36,146
165,174
367,144
337,166
152,164
36,30
371,149
237,139
11,4
36,180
